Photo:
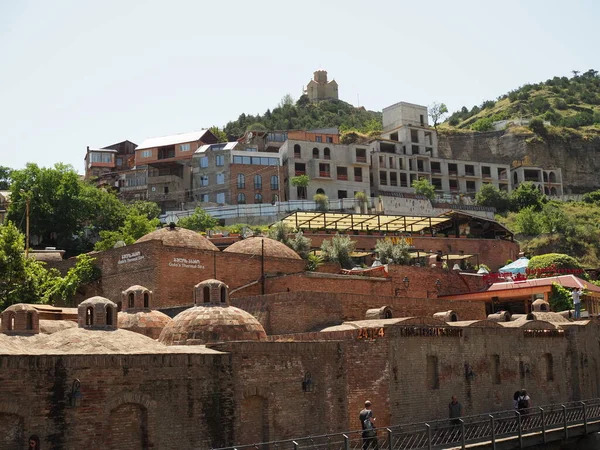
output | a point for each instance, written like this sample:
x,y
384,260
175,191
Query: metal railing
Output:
x,y
540,422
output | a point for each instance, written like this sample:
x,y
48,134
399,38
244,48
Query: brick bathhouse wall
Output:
x,y
184,401
299,312
492,252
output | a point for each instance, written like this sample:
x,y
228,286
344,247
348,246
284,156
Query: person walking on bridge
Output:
x,y
369,432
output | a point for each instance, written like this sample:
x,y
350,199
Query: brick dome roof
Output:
x,y
253,246
179,237
148,323
211,324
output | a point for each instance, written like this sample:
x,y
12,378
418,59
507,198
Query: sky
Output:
x,y
76,73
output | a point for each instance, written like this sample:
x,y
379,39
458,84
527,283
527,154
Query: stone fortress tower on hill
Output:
x,y
320,89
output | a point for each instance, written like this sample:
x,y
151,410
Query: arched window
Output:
x,y
545,176
109,315
30,320
552,177
241,181
546,190
320,191
11,322
326,153
297,151
258,199
131,300
223,294
274,183
257,182
241,198
146,300
206,294
316,153
89,316
553,191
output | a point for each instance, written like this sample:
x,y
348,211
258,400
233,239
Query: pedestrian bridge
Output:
x,y
498,430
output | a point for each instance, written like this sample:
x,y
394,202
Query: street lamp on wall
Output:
x,y
406,282
307,383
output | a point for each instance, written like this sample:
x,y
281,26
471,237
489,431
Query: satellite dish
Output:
x,y
172,218
249,138
246,233
119,244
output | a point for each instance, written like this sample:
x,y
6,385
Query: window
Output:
x,y
146,153
258,198
241,181
299,169
495,369
342,194
453,185
393,179
30,321
257,182
204,198
203,180
428,139
435,167
437,183
318,138
486,172
131,300
403,180
415,149
206,294
414,136
274,183
109,315
184,148
241,198
326,153
221,197
452,169
166,190
223,294
342,173
394,136
316,153
471,187
297,151
329,140
103,157
358,174
433,378
361,155
469,170
324,170
220,178
204,162
146,300
383,177
220,160
422,119
89,316
252,149
320,191
549,366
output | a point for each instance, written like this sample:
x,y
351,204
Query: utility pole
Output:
x,y
27,226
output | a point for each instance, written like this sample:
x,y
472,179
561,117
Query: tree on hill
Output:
x,y
556,261
526,194
4,178
200,220
437,112
306,115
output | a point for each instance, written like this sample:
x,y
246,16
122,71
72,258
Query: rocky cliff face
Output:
x,y
578,158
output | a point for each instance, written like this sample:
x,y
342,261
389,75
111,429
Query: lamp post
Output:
x,y
406,282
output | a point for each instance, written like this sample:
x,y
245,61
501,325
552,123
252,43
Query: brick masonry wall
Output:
x,y
492,252
313,311
183,401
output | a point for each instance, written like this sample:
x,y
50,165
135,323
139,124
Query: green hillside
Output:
x,y
304,115
566,102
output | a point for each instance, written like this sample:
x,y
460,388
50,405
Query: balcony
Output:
x,y
469,174
361,159
436,171
486,175
342,177
323,174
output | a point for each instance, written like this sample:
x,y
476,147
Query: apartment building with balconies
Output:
x,y
548,181
103,165
334,169
237,173
168,161
408,151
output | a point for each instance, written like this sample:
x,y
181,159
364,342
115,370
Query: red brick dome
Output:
x,y
148,323
179,237
211,324
253,246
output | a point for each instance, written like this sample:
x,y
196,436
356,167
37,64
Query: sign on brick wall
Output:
x,y
131,257
185,263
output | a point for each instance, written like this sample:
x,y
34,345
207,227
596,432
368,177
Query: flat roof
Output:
x,y
363,222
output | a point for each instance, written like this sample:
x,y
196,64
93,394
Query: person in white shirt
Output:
x,y
576,294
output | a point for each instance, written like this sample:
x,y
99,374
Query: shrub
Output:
x,y
560,298
559,103
483,125
528,222
393,253
537,126
338,250
557,260
322,202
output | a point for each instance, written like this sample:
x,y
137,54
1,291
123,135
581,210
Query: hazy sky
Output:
x,y
79,73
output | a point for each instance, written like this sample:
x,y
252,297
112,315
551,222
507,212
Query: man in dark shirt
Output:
x,y
367,422
454,411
